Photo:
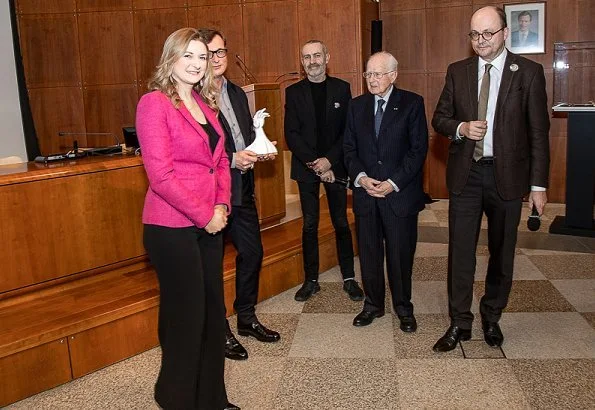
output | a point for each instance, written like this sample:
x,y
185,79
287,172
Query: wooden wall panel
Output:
x,y
151,29
103,5
58,110
586,17
353,81
50,49
106,201
158,4
447,28
227,19
400,5
404,37
196,3
447,3
107,44
104,345
32,371
108,109
45,6
272,26
336,26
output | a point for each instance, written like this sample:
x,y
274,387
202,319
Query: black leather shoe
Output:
x,y
408,324
233,348
353,290
366,317
450,339
259,331
231,407
492,333
306,291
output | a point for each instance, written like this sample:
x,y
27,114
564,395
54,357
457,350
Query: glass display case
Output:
x,y
574,76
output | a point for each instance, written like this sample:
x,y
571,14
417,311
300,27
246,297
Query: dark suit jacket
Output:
x,y
532,39
301,127
520,129
398,154
239,103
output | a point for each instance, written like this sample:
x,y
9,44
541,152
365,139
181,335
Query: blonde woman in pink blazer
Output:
x,y
186,208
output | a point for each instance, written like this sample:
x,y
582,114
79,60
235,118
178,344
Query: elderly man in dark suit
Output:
x,y
315,111
385,143
243,226
494,110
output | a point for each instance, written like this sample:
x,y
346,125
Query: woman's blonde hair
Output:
x,y
174,48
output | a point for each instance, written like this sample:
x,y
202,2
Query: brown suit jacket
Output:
x,y
520,130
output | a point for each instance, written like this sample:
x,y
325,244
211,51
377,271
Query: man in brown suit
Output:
x,y
494,109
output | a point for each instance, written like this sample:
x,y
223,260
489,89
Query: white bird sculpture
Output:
x,y
261,144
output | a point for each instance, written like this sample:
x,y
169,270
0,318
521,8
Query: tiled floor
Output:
x,y
323,362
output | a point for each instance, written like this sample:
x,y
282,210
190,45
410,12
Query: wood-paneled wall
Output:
x,y
87,61
426,36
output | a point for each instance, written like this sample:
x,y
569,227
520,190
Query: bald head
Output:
x,y
489,20
382,70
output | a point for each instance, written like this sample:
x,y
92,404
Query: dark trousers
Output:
x,y
337,204
189,264
379,232
464,223
244,230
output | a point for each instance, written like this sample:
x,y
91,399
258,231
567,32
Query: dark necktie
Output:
x,y
482,108
378,116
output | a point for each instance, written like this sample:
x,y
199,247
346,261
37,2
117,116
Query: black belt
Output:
x,y
485,161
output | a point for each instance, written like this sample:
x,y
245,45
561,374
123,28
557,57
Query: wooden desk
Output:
x,y
69,217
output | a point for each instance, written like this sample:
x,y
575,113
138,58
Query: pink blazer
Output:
x,y
186,181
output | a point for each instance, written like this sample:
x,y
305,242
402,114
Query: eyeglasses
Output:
x,y
487,36
370,74
220,52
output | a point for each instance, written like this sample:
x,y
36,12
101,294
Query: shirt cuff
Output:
x,y
357,178
458,135
233,160
537,188
396,188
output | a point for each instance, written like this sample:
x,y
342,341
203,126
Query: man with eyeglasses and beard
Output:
x,y
243,227
315,111
493,108
385,143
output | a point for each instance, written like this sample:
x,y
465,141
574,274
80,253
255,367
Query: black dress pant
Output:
x,y
464,223
244,230
337,203
382,232
189,264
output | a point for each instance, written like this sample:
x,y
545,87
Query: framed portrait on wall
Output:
x,y
526,22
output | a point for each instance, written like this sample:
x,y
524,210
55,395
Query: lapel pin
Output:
x,y
514,67
337,105
395,108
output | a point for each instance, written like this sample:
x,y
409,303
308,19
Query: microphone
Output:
x,y
84,134
283,75
344,182
245,69
534,221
